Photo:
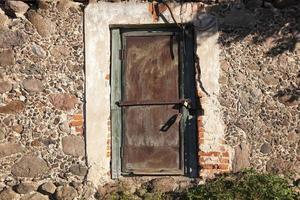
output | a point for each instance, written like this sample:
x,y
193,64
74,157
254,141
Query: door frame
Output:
x,y
187,90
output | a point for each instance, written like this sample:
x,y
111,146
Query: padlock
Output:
x,y
187,104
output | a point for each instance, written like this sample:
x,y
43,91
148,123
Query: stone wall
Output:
x,y
42,80
260,86
41,98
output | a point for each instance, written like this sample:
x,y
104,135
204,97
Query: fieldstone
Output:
x,y
33,85
296,46
35,196
5,86
60,50
8,194
2,134
63,101
252,4
240,18
10,38
38,50
64,5
241,159
44,4
44,26
29,166
18,7
73,145
88,192
278,166
293,137
283,3
223,80
224,65
141,192
106,189
24,188
7,57
7,121
270,41
78,170
65,193
12,107
164,185
289,100
254,67
36,143
270,80
266,148
244,98
47,188
8,149
18,128
205,21
240,77
4,20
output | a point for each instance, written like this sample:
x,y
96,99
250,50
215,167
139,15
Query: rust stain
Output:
x,y
107,77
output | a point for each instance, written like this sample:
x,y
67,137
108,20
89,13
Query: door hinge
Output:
x,y
121,54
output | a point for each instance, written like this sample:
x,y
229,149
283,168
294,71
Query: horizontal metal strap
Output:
x,y
151,102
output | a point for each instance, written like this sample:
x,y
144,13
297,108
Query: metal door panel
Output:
x,y
151,69
151,141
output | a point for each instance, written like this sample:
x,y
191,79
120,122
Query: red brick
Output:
x,y
200,129
224,160
77,117
222,148
76,123
201,134
201,161
215,166
79,130
211,153
200,122
201,141
223,166
225,154
207,166
108,153
200,94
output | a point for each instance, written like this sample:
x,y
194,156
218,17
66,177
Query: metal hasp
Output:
x,y
179,102
153,102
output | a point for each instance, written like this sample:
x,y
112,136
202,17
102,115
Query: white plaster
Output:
x,y
208,53
98,17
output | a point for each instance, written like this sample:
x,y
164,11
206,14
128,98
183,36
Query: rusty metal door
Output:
x,y
151,104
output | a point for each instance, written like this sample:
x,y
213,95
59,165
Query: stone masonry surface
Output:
x,y
41,97
249,89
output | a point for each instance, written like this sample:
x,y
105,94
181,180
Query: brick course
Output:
x,y
76,122
211,162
